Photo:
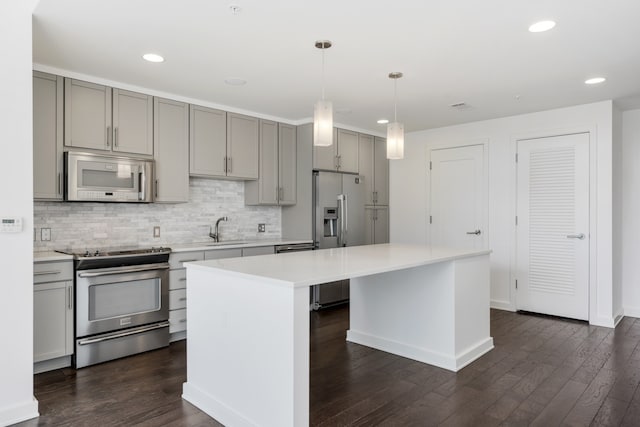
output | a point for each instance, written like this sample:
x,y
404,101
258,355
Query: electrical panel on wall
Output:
x,y
10,224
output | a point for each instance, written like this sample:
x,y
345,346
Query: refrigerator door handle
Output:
x,y
342,217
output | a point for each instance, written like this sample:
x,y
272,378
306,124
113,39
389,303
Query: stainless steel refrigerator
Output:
x,y
338,218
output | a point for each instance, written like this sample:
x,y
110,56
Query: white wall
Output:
x,y
618,208
16,250
409,195
631,212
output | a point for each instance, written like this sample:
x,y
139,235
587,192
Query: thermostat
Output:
x,y
10,225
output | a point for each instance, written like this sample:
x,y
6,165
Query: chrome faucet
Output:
x,y
216,236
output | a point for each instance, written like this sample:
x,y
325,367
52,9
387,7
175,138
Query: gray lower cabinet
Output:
x,y
376,224
258,250
171,150
341,156
101,118
277,182
52,315
47,136
178,285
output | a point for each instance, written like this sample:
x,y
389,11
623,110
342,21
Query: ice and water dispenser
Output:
x,y
330,222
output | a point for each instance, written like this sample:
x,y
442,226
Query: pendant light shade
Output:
x,y
395,130
395,141
323,124
323,112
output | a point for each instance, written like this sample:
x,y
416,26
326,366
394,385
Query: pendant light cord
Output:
x,y
395,100
323,74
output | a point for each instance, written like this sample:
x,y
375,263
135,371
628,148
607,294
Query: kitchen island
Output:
x,y
248,335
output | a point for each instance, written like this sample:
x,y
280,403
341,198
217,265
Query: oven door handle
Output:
x,y
148,267
124,334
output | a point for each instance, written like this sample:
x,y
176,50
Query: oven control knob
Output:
x,y
87,253
97,253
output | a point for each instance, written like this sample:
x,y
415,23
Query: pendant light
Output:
x,y
323,113
395,130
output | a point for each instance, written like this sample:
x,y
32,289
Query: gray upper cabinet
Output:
x,y
380,172
341,156
277,182
47,136
242,146
373,164
207,142
87,115
171,150
223,144
132,122
287,164
100,118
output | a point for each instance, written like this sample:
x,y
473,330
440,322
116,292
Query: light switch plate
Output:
x,y
45,234
262,228
156,231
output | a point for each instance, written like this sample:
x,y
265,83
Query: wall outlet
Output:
x,y
262,228
45,234
156,231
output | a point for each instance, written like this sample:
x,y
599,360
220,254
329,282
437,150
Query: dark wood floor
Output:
x,y
543,372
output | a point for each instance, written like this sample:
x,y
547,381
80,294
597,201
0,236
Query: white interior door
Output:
x,y
458,197
553,226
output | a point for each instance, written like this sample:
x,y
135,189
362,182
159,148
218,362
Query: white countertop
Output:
x,y
299,269
51,256
233,244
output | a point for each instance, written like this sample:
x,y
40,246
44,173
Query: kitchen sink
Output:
x,y
228,242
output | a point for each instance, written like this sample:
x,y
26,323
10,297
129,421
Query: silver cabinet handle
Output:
x,y
580,236
182,279
281,194
42,273
70,292
115,137
157,186
477,232
121,270
335,162
59,183
182,299
124,334
108,136
183,320
224,164
229,165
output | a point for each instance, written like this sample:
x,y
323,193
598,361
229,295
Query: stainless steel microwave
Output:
x,y
93,177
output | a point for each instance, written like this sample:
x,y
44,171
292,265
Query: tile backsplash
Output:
x,y
89,225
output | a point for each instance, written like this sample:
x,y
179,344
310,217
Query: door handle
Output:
x,y
576,236
477,232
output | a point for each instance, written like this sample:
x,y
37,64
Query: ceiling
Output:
x,y
476,52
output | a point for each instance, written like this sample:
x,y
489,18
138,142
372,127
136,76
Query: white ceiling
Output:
x,y
477,52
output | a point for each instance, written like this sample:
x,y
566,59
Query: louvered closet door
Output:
x,y
553,226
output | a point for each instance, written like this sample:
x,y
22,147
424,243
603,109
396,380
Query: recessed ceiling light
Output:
x,y
594,81
235,81
152,57
383,121
542,26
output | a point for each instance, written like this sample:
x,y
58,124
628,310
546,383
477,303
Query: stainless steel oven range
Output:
x,y
122,303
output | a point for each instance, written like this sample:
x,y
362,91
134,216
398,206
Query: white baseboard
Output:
x,y
50,365
502,305
632,311
16,414
213,407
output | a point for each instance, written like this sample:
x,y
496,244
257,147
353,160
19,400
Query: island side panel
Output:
x,y
247,349
472,313
408,312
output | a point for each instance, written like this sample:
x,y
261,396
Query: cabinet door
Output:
x,y
381,224
325,158
171,150
369,215
287,164
132,122
381,172
365,166
258,250
222,253
242,146
207,141
52,320
347,151
268,182
87,115
47,136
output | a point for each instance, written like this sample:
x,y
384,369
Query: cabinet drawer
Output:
x,y
52,271
176,259
222,253
258,250
177,320
177,299
177,279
